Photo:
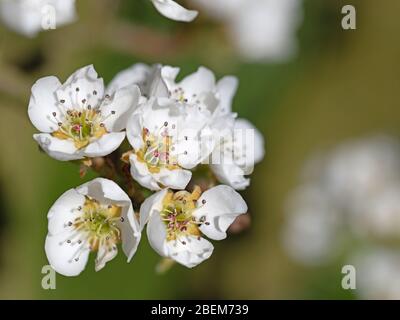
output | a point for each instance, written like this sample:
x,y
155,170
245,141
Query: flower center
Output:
x,y
81,126
99,223
156,152
178,94
177,214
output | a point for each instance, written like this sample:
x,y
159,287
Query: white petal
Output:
x,y
64,210
169,75
194,146
221,206
138,74
203,80
142,175
68,259
157,86
174,11
193,252
174,179
130,233
152,205
82,88
43,103
105,254
105,191
227,88
258,148
157,234
122,103
231,175
63,150
134,130
104,145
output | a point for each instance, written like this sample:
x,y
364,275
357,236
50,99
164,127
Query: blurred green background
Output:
x,y
342,84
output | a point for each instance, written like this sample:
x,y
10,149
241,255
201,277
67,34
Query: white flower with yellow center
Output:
x,y
77,119
177,222
167,141
174,11
28,16
200,89
96,216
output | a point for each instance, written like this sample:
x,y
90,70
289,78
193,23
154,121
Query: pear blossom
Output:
x,y
174,11
200,88
238,144
95,216
177,222
168,140
261,30
27,16
78,119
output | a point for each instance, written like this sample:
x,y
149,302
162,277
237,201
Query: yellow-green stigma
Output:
x,y
82,126
156,151
177,214
99,224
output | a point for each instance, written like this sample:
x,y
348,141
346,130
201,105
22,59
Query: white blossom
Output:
x,y
96,216
168,140
77,119
177,222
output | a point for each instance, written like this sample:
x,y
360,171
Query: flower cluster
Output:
x,y
183,139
